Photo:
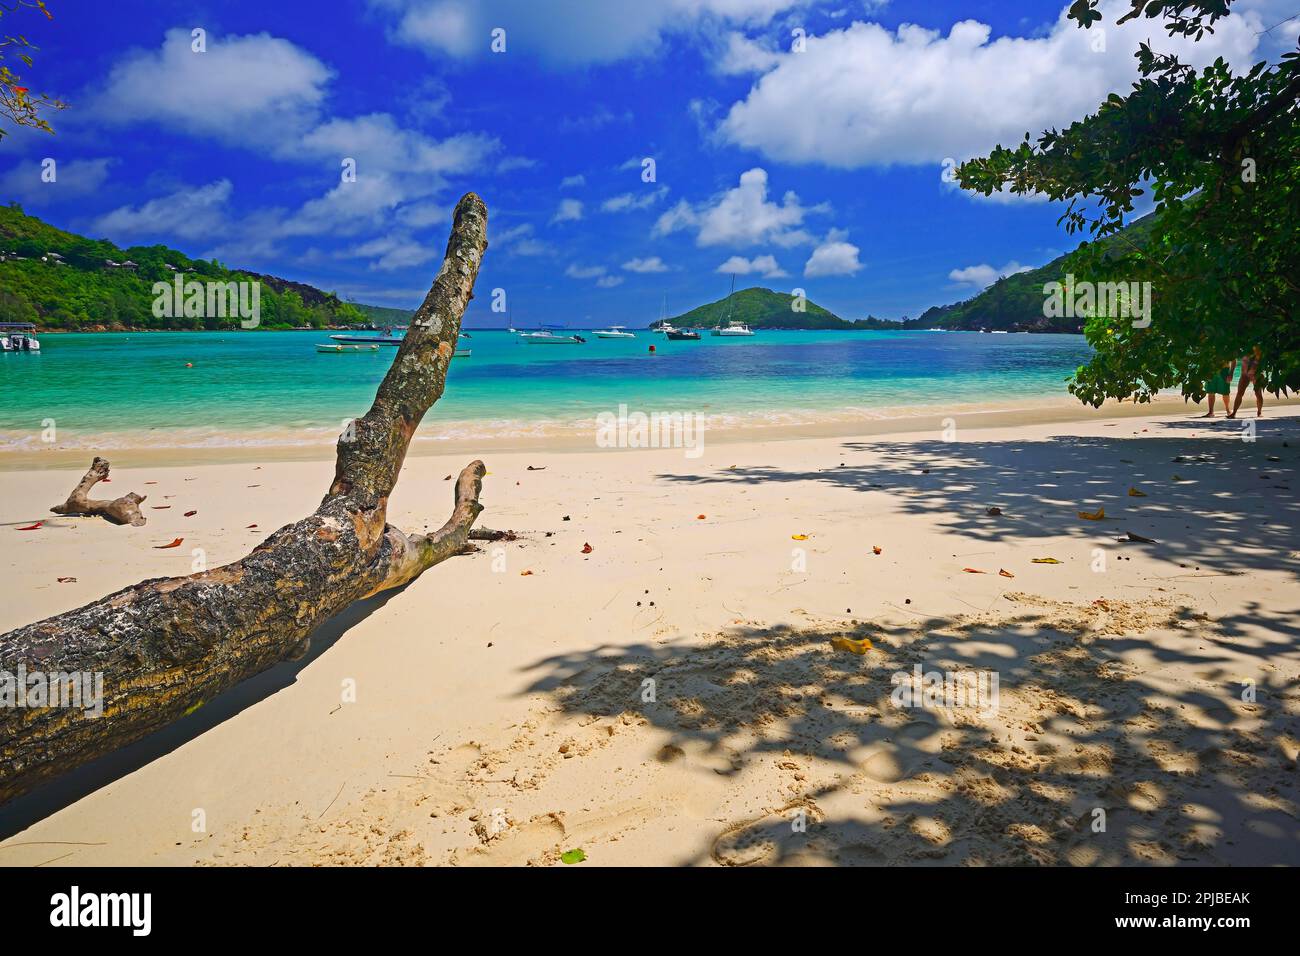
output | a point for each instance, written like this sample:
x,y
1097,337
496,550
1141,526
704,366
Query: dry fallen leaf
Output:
x,y
798,537
1094,515
67,580
190,514
1003,572
1045,561
587,549
876,549
524,574
974,571
699,517
32,527
994,512
174,544
1135,493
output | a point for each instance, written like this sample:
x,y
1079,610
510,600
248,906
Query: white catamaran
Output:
x,y
733,327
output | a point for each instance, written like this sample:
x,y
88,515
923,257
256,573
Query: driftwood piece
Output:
x,y
124,510
166,646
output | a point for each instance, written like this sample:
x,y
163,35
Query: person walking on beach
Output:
x,y
1249,375
1220,384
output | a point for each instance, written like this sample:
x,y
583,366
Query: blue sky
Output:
x,y
815,165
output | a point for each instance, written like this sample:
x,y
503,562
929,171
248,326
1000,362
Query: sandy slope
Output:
x,y
501,717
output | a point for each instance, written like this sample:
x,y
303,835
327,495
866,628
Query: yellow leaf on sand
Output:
x,y
850,645
1005,573
1045,561
1093,516
1135,493
798,537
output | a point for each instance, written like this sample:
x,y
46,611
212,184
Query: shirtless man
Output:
x,y
1249,374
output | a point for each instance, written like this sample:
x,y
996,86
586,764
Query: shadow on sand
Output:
x,y
1135,715
1178,771
53,796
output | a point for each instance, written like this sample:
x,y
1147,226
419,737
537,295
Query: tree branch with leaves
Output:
x,y
1219,152
17,104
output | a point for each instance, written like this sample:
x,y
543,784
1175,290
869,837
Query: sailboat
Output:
x,y
733,327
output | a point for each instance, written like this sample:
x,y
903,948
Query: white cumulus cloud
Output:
x,y
834,257
570,210
247,89
766,266
865,95
190,213
742,216
984,275
651,264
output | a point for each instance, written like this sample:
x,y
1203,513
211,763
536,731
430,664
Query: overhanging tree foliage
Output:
x,y
17,104
1220,152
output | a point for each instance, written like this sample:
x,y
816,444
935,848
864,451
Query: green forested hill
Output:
x,y
84,292
1016,302
760,309
383,315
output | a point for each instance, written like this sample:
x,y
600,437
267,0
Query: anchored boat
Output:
x,y
18,337
733,327
338,348
386,337
546,336
614,332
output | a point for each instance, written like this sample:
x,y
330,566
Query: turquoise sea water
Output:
x,y
274,388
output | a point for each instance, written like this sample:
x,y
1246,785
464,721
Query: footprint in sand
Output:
x,y
901,755
765,840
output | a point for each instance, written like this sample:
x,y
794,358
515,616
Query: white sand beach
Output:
x,y
673,695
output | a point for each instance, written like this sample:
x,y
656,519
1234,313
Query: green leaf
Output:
x,y
572,856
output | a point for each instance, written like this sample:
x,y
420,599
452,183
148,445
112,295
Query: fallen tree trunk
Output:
x,y
166,646
124,510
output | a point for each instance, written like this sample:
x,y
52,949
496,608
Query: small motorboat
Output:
x,y
547,337
682,335
386,337
732,328
338,348
18,337
614,332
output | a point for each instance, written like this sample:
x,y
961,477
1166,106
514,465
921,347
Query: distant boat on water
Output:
x,y
386,337
546,336
614,332
339,348
18,337
733,327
